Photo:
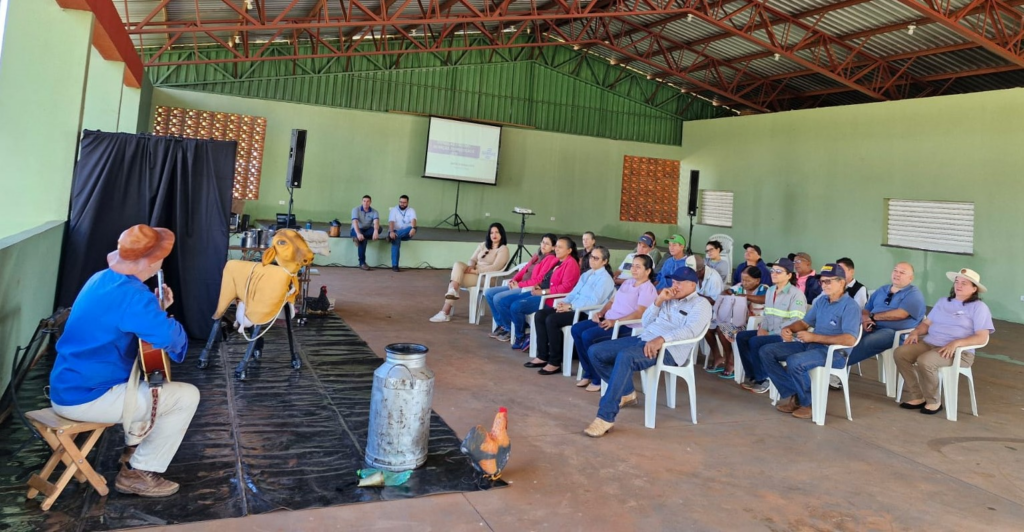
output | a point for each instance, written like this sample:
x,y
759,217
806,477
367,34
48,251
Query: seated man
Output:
x,y
589,241
751,257
676,260
401,226
643,247
677,314
365,226
854,288
891,308
836,320
93,378
805,276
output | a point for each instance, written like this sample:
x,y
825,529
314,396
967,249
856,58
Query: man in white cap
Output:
x,y
95,371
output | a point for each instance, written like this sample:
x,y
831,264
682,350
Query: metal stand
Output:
x,y
455,220
689,239
517,257
288,220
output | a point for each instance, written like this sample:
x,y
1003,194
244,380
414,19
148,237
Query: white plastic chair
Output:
x,y
949,383
650,377
727,244
819,382
567,339
483,282
529,321
887,363
615,336
753,323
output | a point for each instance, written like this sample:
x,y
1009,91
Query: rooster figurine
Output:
x,y
319,303
489,451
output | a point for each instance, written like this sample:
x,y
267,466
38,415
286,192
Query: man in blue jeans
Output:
x,y
678,313
835,317
401,227
365,226
891,308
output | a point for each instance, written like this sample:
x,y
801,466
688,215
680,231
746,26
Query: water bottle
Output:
x,y
309,225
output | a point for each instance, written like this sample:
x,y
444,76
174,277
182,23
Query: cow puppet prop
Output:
x,y
261,290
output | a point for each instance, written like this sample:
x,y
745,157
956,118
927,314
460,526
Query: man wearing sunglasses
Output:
x,y
891,308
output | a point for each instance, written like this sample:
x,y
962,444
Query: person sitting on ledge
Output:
x,y
560,279
677,314
532,274
401,227
836,321
595,287
589,241
95,377
365,226
643,247
959,320
491,255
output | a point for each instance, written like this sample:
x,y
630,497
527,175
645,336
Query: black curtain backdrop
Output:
x,y
181,184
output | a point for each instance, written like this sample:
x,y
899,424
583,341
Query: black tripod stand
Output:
x,y
518,255
455,220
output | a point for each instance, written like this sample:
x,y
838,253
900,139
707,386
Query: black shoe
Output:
x,y
930,412
535,364
909,406
555,371
395,269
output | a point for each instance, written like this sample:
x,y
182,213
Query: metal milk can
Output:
x,y
403,389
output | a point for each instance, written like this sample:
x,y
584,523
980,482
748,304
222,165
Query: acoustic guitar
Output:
x,y
156,365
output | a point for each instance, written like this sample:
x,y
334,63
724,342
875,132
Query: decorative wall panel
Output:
x,y
650,190
249,132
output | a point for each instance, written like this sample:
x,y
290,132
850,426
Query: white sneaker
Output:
x,y
440,317
452,294
835,383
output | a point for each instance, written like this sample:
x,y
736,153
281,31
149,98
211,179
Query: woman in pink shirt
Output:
x,y
558,280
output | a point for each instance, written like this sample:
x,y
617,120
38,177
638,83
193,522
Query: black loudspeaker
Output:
x,y
694,180
295,159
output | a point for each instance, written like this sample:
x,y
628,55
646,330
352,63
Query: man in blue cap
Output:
x,y
678,313
835,317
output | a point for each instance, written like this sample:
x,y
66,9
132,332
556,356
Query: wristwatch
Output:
x,y
871,316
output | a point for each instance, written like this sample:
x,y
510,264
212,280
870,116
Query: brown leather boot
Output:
x,y
789,406
804,412
144,483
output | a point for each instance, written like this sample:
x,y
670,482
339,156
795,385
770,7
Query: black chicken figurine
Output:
x,y
320,303
489,451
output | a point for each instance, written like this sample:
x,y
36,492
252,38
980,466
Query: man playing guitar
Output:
x,y
95,373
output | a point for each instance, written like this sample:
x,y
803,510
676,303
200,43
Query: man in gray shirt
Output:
x,y
365,227
679,313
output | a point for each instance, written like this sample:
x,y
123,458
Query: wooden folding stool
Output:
x,y
61,433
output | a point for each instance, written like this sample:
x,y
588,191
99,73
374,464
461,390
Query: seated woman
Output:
x,y
532,274
629,303
560,279
751,288
784,304
594,288
491,255
959,320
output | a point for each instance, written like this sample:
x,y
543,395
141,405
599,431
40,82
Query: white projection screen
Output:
x,y
462,151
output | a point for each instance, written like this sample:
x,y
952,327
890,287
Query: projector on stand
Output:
x,y
521,210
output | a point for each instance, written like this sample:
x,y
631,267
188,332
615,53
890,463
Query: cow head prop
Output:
x,y
289,250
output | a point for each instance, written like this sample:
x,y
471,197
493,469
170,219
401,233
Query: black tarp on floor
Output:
x,y
282,440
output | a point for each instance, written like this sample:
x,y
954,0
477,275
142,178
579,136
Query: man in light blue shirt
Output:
x,y
891,308
678,313
365,226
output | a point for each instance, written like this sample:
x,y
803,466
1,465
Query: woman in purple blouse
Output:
x,y
959,320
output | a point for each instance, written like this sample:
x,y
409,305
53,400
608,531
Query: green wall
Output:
x,y
816,181
574,179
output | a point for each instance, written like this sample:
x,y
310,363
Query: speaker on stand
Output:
x,y
296,157
691,209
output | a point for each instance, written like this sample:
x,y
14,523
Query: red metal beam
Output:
x,y
1003,21
110,38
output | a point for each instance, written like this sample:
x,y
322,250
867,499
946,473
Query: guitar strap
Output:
x,y
130,400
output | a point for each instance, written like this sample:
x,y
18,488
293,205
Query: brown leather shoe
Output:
x,y
804,412
789,406
364,267
144,483
598,428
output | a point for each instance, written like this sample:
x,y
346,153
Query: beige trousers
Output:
x,y
460,276
177,404
922,381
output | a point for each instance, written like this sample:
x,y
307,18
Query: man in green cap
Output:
x,y
676,260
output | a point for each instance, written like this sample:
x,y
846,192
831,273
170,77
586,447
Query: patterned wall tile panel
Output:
x,y
249,132
650,190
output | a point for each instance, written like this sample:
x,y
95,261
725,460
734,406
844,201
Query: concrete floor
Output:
x,y
743,467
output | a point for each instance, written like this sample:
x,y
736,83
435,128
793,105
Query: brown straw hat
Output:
x,y
139,247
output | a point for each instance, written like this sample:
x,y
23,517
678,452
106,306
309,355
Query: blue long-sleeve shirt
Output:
x,y
594,288
99,346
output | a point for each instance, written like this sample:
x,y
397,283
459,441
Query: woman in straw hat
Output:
x,y
91,380
959,320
